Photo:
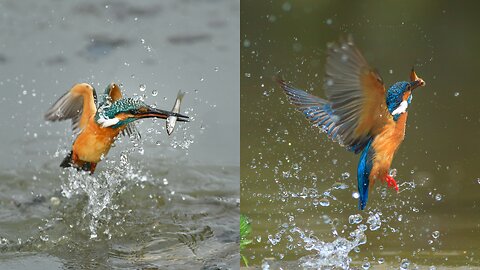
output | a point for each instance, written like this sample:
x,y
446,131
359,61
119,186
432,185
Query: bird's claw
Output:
x,y
391,182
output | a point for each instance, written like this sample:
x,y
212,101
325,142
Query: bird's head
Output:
x,y
399,95
127,110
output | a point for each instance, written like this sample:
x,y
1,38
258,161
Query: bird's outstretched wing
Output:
x,y
111,94
78,104
356,107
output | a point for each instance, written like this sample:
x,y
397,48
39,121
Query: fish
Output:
x,y
172,120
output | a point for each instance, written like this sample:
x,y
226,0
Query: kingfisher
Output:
x,y
98,124
359,113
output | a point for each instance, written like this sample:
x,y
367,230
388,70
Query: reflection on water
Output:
x,y
299,189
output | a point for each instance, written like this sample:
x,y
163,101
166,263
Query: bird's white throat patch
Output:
x,y
108,122
401,108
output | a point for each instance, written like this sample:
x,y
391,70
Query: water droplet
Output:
x,y
142,41
246,43
154,93
339,186
390,71
141,150
215,69
456,94
329,21
478,180
438,197
287,6
165,181
324,202
202,79
393,172
374,221
24,92
44,237
329,82
404,264
142,87
366,265
248,75
381,260
345,175
435,234
355,195
355,219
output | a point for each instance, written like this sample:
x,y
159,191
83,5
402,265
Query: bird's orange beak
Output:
x,y
417,80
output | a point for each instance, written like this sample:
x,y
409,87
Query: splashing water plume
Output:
x,y
101,189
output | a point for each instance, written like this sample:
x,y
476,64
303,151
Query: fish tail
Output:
x,y
180,95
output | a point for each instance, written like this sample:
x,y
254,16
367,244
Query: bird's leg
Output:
x,y
391,182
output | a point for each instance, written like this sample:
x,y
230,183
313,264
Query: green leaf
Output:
x,y
245,230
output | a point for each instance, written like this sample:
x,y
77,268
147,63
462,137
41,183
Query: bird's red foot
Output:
x,y
391,182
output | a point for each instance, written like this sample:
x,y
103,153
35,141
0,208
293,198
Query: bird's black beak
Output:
x,y
149,112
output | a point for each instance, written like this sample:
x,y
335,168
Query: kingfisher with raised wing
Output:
x,y
99,125
359,112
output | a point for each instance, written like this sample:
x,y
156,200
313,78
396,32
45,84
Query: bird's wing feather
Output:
x,y
356,93
78,104
320,114
114,93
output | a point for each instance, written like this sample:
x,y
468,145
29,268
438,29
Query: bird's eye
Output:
x,y
408,87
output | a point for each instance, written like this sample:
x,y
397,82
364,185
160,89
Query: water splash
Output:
x,y
330,254
101,189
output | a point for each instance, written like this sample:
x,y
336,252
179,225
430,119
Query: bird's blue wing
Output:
x,y
320,113
363,172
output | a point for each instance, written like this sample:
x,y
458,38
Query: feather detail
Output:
x,y
320,114
78,104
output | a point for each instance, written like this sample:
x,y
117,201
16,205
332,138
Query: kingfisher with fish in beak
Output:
x,y
359,112
98,125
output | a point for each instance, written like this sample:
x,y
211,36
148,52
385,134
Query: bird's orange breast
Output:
x,y
94,141
385,145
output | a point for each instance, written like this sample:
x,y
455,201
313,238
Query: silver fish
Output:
x,y
172,120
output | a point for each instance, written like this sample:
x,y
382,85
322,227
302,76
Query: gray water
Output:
x,y
160,203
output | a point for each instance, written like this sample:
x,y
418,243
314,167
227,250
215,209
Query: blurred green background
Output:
x,y
288,168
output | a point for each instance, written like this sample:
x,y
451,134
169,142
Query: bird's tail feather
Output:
x,y
363,172
67,161
83,165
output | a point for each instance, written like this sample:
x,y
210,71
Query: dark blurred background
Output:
x,y
283,158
